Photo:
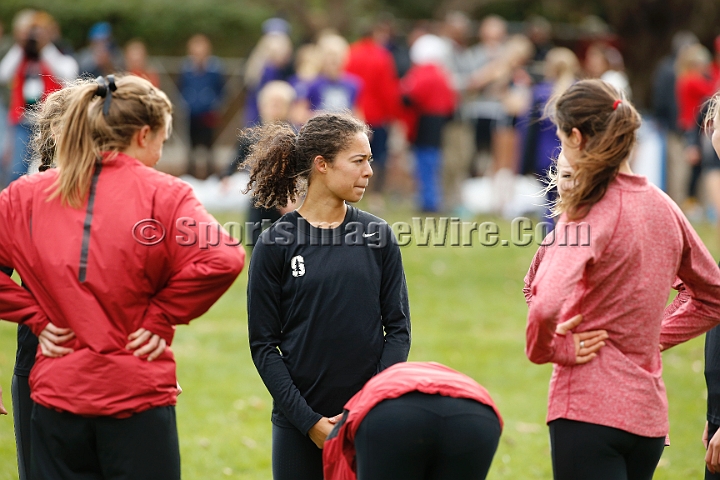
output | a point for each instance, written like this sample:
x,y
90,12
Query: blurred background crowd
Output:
x,y
455,101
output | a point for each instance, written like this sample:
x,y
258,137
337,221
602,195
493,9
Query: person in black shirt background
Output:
x,y
712,338
327,297
45,120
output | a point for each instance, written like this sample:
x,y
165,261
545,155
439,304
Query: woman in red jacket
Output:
x,y
123,272
415,421
618,248
695,85
430,100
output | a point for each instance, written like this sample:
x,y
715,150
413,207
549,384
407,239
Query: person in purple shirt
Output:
x,y
270,60
333,90
540,143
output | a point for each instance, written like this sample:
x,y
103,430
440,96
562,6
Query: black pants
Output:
x,y
427,437
712,429
70,447
594,452
22,411
201,134
695,174
294,455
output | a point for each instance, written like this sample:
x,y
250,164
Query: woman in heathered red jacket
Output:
x,y
108,248
415,421
604,278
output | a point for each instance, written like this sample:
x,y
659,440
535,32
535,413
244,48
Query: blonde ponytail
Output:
x,y
86,133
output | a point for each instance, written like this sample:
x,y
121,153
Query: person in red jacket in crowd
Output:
x,y
694,87
379,99
104,382
32,68
415,421
715,65
430,100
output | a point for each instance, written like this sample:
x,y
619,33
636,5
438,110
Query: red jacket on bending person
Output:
x,y
126,260
430,378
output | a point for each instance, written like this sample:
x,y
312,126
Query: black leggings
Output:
x,y
22,411
595,452
427,437
294,455
70,447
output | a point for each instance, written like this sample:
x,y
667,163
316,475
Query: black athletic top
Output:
x,y
327,310
27,344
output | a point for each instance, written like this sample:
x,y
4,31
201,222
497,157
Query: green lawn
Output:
x,y
468,312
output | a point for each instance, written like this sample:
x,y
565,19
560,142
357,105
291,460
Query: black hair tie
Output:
x,y
104,90
101,88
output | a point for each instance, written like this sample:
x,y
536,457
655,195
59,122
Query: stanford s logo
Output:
x,y
297,264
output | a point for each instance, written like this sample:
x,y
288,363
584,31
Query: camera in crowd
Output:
x,y
32,45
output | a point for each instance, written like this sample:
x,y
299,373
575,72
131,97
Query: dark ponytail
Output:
x,y
608,123
280,161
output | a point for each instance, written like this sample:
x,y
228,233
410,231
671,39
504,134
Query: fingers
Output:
x,y
588,343
57,339
138,338
56,334
335,419
158,350
64,338
712,458
580,359
2,407
52,328
50,349
564,327
136,333
587,336
154,347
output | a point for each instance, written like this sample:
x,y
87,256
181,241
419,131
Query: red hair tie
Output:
x,y
617,102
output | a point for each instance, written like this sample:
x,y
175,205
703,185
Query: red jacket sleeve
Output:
x,y
17,304
696,309
561,271
200,272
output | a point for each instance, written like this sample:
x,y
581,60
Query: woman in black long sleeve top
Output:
x,y
327,298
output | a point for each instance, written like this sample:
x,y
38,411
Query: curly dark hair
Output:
x,y
280,160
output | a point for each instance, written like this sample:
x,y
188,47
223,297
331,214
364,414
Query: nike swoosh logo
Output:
x,y
369,234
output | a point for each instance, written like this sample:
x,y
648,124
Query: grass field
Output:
x,y
468,312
